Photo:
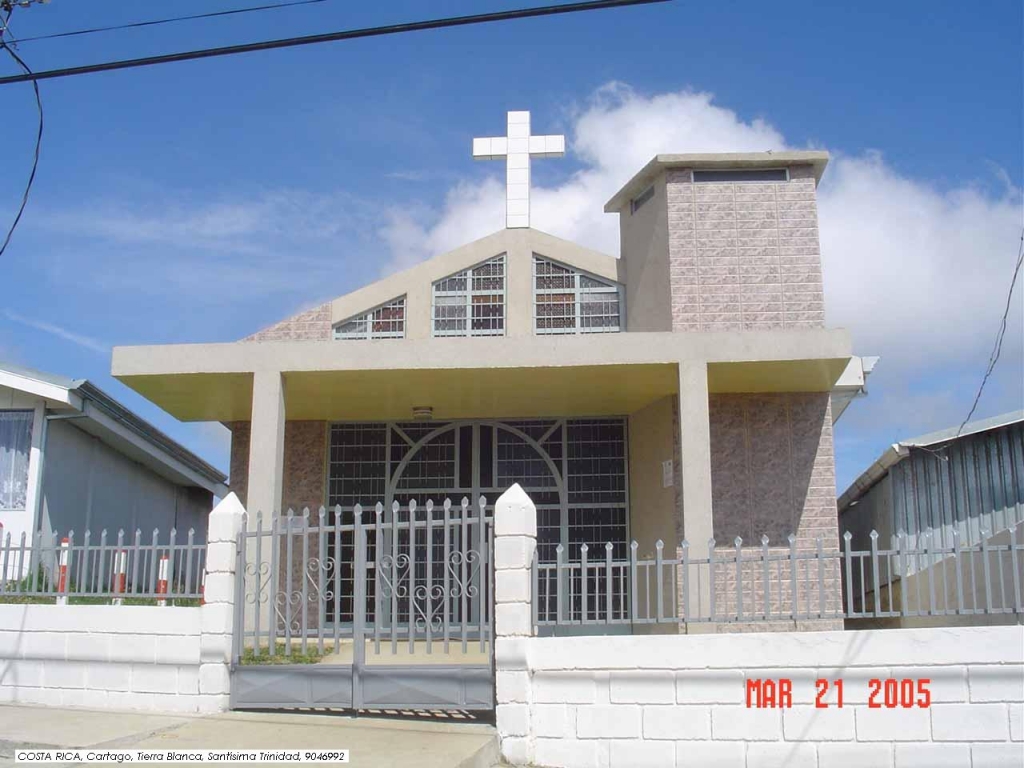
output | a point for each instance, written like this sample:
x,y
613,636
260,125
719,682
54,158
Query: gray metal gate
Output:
x,y
384,608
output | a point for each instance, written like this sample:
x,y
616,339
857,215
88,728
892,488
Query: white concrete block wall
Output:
x,y
153,658
680,700
101,656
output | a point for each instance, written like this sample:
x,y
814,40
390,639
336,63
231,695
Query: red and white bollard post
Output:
x,y
202,589
161,580
120,579
62,579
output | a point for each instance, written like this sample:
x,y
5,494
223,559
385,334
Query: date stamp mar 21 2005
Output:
x,y
889,693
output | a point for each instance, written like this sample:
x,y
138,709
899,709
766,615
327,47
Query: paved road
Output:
x,y
381,742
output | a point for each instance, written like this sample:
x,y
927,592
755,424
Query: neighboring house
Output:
x,y
74,459
682,390
943,491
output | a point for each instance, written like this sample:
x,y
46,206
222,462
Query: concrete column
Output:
x,y
515,542
695,469
217,615
266,444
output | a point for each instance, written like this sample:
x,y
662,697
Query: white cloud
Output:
x,y
914,269
614,137
918,275
917,271
86,342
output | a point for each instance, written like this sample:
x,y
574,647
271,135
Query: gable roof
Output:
x,y
316,323
503,241
116,425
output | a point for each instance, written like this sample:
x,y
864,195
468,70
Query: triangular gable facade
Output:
x,y
416,286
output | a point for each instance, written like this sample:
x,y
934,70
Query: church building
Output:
x,y
685,389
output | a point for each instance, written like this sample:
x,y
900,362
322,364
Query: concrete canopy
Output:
x,y
476,377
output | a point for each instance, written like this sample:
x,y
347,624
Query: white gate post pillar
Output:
x,y
217,615
515,542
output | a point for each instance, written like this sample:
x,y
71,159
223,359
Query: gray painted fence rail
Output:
x,y
789,583
92,567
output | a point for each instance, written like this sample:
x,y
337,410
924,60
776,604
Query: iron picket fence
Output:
x,y
796,582
115,568
403,576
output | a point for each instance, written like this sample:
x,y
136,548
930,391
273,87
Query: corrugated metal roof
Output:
x,y
971,428
896,452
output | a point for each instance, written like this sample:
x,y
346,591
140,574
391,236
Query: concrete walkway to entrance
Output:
x,y
381,742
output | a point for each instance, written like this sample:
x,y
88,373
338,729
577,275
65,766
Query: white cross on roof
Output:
x,y
517,148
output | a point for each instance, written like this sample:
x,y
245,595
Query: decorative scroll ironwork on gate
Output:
x,y
321,592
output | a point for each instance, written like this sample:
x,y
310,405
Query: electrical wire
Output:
x,y
998,347
171,20
39,139
352,34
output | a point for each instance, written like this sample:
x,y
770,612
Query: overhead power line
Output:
x,y
998,347
353,34
39,134
171,20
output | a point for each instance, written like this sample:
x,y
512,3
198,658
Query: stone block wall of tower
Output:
x,y
744,256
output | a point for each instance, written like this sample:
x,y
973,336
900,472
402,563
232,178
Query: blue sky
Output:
x,y
201,201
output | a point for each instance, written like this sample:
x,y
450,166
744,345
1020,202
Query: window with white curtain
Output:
x,y
15,441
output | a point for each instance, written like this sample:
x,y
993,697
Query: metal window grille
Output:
x,y
575,470
568,301
384,322
471,302
589,481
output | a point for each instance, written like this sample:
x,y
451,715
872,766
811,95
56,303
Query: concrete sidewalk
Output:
x,y
381,742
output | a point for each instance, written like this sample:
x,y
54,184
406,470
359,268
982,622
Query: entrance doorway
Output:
x,y
574,470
